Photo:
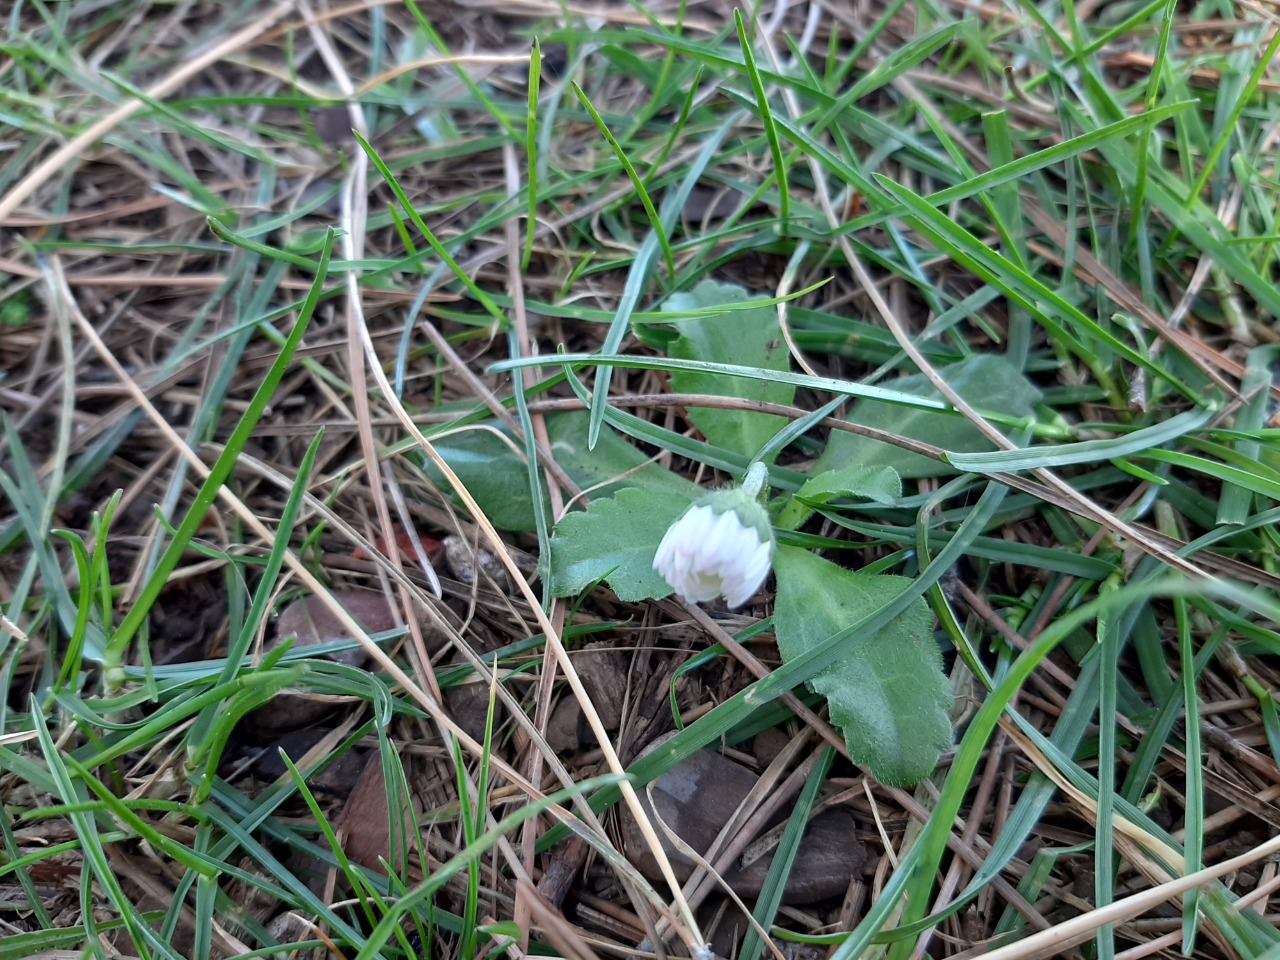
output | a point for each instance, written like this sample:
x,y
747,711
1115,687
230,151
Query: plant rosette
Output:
x,y
887,691
652,533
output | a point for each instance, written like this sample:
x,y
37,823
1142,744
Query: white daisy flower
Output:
x,y
720,546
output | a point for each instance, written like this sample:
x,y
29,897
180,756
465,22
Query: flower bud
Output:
x,y
722,545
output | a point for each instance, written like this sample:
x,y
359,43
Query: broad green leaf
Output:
x,y
492,471
608,468
615,540
888,695
498,478
987,381
749,338
881,484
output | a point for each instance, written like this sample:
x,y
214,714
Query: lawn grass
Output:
x,y
290,293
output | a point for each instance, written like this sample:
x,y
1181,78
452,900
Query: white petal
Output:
x,y
719,538
750,576
699,587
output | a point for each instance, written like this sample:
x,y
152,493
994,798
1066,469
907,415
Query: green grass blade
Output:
x,y
766,117
656,226
1235,504
217,475
1104,880
531,153
1087,451
1050,307
770,899
96,862
198,745
1194,807
481,297
1232,122
638,276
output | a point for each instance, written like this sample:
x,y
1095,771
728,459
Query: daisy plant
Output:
x,y
649,533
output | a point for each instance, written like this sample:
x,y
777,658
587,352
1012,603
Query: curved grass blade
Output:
x,y
198,744
827,384
1087,451
1255,480
911,54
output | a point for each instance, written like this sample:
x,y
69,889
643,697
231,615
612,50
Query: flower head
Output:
x,y
722,545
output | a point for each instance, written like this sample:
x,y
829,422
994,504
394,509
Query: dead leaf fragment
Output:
x,y
366,820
